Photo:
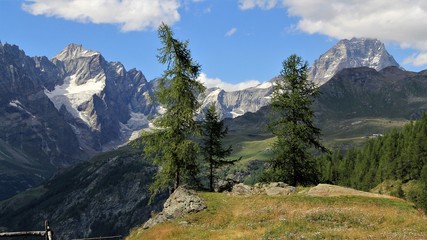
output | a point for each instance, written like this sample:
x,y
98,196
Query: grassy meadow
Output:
x,y
297,216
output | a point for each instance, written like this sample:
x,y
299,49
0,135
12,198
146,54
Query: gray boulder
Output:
x,y
242,189
182,201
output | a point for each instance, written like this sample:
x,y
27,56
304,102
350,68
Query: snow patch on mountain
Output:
x,y
134,126
236,113
265,85
72,95
17,104
211,96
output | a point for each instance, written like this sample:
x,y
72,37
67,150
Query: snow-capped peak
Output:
x,y
356,52
73,51
265,85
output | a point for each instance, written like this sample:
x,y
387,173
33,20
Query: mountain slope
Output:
x,y
356,104
105,196
30,125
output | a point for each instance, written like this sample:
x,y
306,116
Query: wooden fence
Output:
x,y
47,233
99,238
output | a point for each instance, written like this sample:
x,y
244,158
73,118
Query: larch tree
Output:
x,y
171,144
213,132
292,124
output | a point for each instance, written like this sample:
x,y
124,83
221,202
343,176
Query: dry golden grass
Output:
x,y
295,217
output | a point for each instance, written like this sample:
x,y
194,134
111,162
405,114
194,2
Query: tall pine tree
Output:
x,y
172,144
213,132
292,124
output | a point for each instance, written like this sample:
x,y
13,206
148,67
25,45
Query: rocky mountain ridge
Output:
x,y
353,53
102,98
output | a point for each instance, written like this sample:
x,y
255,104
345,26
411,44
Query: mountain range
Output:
x,y
61,111
56,112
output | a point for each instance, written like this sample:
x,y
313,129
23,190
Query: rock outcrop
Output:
x,y
180,202
273,188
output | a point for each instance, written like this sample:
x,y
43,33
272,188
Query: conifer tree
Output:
x,y
293,125
213,131
172,144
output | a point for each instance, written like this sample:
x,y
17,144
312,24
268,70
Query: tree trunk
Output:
x,y
177,183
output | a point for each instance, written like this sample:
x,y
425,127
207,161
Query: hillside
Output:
x,y
107,195
355,104
347,215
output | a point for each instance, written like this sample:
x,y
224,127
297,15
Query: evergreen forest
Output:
x,y
398,158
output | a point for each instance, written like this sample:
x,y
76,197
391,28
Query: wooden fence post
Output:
x,y
48,231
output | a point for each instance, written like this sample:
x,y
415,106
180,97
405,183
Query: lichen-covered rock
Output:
x,y
278,188
242,189
180,202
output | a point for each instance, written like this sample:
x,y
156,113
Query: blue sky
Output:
x,y
239,43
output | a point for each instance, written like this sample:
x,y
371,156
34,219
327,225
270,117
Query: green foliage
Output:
x,y
213,131
423,180
394,156
171,144
293,126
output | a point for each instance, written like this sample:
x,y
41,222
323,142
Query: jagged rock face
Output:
x,y
103,197
357,52
107,102
29,123
237,103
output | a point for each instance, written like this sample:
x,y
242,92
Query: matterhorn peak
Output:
x,y
353,53
73,51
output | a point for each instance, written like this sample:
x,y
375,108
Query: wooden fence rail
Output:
x,y
97,238
47,233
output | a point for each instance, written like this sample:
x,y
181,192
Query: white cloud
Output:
x,y
130,15
231,32
389,20
418,60
263,4
229,87
393,21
